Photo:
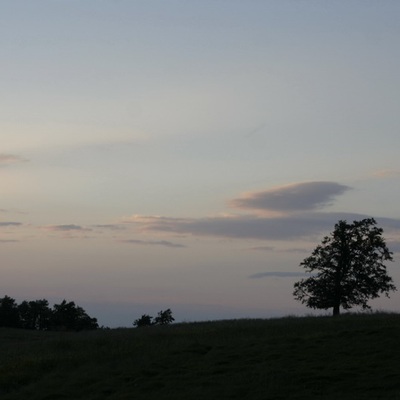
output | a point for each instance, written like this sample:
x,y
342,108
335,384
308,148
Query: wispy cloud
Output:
x,y
153,243
7,159
286,224
287,227
387,173
10,223
66,228
111,227
14,211
262,248
272,248
294,197
277,274
297,250
256,130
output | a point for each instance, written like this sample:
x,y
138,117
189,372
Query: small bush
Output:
x,y
163,318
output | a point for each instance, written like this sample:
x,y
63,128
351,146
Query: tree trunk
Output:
x,y
336,310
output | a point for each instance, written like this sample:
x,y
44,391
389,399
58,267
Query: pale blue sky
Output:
x,y
135,134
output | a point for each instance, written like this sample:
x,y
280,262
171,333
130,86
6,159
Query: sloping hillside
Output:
x,y
351,357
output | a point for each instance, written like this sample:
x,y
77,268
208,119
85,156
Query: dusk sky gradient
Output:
x,y
190,154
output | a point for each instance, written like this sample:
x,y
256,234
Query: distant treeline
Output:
x,y
37,315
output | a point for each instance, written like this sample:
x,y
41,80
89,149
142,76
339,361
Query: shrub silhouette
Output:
x,y
144,320
163,318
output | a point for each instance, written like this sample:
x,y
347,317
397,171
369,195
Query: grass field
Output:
x,y
352,357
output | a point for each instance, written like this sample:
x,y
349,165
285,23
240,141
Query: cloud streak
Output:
x,y
253,227
295,197
387,173
295,215
10,224
7,159
153,243
111,227
262,248
272,248
66,228
67,231
277,274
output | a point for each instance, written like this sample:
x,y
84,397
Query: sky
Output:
x,y
189,154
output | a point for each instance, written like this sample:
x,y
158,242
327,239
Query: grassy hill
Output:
x,y
351,357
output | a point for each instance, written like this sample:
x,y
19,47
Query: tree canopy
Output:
x,y
144,320
347,268
38,315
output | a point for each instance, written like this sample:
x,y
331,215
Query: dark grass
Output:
x,y
351,357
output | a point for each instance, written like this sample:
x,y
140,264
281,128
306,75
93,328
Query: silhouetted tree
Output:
x,y
144,320
347,268
9,316
68,316
164,317
35,314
